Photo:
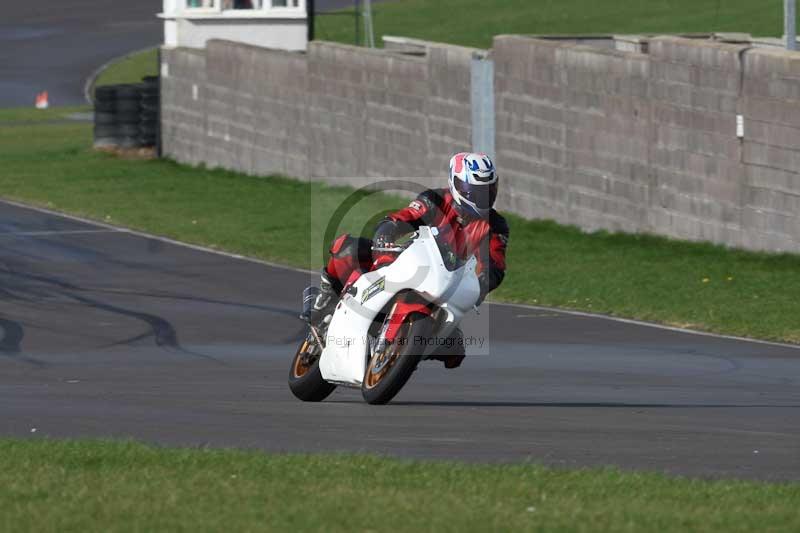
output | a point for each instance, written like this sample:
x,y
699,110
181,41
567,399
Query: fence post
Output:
x,y
311,12
483,124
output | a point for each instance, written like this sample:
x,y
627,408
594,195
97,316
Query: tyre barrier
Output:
x,y
127,115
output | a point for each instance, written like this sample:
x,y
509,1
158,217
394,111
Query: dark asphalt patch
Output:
x,y
110,334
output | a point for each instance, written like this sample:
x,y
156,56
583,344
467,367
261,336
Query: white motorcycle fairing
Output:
x,y
420,268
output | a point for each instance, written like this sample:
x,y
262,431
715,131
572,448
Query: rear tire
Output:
x,y
378,388
305,378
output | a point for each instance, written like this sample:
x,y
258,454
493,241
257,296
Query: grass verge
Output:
x,y
130,69
124,486
17,116
473,23
687,284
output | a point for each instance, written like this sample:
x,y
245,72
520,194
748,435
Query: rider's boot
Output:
x,y
452,355
323,303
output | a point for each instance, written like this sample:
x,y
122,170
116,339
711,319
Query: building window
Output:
x,y
241,4
201,4
253,5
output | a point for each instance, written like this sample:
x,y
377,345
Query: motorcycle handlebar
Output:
x,y
396,249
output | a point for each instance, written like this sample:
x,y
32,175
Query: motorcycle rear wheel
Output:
x,y
305,378
388,371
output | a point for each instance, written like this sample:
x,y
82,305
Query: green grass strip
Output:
x,y
476,22
123,486
686,284
130,69
17,116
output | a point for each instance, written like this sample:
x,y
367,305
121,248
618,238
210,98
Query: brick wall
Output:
x,y
771,150
183,118
337,112
648,142
236,107
590,136
697,172
572,129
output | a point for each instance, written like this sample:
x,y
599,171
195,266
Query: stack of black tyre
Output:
x,y
148,129
126,115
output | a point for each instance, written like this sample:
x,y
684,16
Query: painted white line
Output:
x,y
316,272
56,233
642,323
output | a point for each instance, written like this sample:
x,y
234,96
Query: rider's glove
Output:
x,y
385,235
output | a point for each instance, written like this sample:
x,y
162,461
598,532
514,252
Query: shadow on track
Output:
x,y
586,405
13,333
160,329
11,342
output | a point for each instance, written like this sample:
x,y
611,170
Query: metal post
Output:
x,y
482,103
357,18
159,143
790,23
310,12
369,33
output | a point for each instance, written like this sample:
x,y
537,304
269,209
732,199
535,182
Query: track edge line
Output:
x,y
123,229
632,321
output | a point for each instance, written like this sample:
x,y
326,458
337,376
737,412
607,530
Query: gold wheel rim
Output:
x,y
372,379
299,368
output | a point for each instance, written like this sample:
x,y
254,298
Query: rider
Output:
x,y
465,207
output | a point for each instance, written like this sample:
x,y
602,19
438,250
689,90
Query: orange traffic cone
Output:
x,y
41,100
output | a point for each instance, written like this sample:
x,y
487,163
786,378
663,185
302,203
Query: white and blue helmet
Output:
x,y
473,184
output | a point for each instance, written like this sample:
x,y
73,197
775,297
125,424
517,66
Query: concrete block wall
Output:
x,y
368,112
590,136
696,166
338,113
183,118
648,142
236,106
256,122
530,127
572,131
606,127
336,100
448,107
385,115
771,149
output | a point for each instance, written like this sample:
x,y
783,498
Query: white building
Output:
x,y
281,24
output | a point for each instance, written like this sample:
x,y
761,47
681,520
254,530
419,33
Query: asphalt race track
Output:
x,y
110,334
55,45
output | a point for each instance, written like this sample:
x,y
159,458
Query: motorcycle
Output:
x,y
386,320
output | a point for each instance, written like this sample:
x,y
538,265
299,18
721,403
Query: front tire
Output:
x,y
305,378
388,371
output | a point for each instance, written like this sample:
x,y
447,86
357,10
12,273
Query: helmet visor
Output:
x,y
483,196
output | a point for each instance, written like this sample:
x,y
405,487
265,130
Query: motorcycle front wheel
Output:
x,y
305,378
390,369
